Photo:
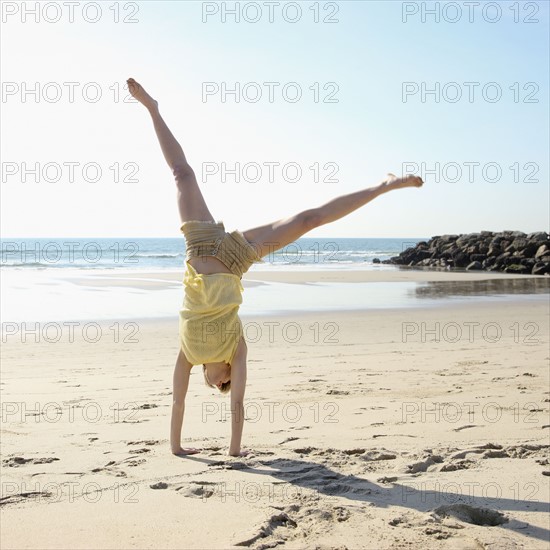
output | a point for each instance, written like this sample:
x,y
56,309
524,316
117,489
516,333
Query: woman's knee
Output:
x,y
183,173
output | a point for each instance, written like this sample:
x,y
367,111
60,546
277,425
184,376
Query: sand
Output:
x,y
413,428
161,279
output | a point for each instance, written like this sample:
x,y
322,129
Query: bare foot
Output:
x,y
139,93
393,182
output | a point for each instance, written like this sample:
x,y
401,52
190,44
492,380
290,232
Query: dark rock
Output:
x,y
540,268
483,248
530,248
375,261
463,240
461,259
448,238
518,269
512,260
500,259
538,237
519,244
508,251
422,254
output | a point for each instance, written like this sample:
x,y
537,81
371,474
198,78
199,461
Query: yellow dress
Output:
x,y
210,328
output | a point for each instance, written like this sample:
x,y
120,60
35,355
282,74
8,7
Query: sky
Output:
x,y
327,98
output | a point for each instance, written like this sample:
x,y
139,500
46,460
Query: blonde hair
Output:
x,y
226,386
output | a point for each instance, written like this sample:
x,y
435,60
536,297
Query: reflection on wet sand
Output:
x,y
491,287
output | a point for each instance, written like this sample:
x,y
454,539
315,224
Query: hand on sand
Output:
x,y
138,92
241,453
185,451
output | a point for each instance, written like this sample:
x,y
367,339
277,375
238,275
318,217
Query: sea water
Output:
x,y
58,279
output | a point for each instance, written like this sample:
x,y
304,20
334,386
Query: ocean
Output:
x,y
47,280
151,254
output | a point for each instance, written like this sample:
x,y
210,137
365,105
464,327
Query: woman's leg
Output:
x,y
191,203
273,236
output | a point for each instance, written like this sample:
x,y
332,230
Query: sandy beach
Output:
x,y
424,427
378,171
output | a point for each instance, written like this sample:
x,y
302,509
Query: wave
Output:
x,y
336,252
27,264
178,255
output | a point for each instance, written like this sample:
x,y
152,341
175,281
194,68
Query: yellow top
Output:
x,y
210,328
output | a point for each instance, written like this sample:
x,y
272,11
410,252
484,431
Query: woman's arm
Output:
x,y
238,385
181,383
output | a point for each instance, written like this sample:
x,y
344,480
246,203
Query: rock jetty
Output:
x,y
506,251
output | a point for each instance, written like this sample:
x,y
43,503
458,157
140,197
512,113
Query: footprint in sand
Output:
x,y
139,451
423,465
112,468
268,529
304,450
136,462
471,514
295,521
198,489
386,479
459,465
16,461
159,485
439,534
377,456
28,495
148,442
